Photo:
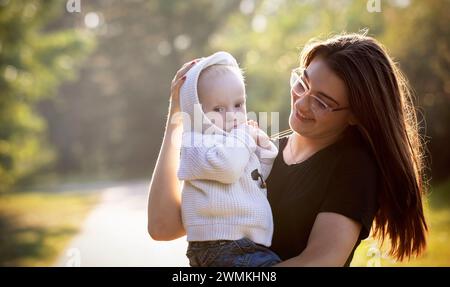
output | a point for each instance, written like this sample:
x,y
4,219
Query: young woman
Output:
x,y
354,157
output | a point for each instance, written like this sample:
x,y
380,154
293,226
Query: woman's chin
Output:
x,y
299,126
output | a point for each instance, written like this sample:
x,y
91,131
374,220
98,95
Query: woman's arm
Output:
x,y
331,241
164,201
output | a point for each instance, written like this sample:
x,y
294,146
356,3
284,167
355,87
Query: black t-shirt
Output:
x,y
341,178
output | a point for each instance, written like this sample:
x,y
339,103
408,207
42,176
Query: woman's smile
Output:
x,y
301,117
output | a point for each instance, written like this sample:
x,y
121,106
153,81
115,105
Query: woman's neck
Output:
x,y
301,148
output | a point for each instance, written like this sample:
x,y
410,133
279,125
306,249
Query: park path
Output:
x,y
115,233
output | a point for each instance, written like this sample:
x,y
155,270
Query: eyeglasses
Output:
x,y
300,88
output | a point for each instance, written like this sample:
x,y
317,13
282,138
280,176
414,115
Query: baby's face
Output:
x,y
223,99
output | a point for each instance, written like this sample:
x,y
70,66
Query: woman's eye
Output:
x,y
320,104
300,88
239,105
218,110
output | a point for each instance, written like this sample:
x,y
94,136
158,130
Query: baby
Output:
x,y
223,163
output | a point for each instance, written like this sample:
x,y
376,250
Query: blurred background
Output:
x,y
84,89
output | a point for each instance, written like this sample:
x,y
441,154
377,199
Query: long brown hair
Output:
x,y
381,101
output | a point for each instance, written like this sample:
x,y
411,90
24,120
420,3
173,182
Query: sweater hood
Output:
x,y
189,101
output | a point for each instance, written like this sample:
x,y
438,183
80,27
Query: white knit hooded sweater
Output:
x,y
220,199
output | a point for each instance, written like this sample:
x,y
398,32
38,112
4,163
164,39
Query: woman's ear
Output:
x,y
352,120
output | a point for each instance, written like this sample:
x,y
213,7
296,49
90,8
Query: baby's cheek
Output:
x,y
242,120
214,117
241,116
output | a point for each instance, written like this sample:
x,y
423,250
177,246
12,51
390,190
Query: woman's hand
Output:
x,y
175,86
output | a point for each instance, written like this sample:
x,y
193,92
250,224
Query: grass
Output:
x,y
437,213
36,226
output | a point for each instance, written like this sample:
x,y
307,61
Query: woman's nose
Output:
x,y
302,103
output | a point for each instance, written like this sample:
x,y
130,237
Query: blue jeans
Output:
x,y
230,253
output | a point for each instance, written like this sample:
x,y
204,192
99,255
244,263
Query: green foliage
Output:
x,y
32,64
109,122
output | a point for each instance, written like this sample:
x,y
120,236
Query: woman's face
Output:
x,y
324,88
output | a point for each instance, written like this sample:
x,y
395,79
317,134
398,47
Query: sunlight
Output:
x,y
92,20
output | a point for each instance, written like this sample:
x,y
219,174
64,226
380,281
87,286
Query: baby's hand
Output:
x,y
252,128
260,137
253,123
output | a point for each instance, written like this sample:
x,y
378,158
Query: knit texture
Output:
x,y
220,199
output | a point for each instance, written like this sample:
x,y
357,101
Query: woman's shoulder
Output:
x,y
355,152
356,178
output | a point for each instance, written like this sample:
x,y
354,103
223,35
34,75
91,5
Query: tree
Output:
x,y
33,62
109,122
